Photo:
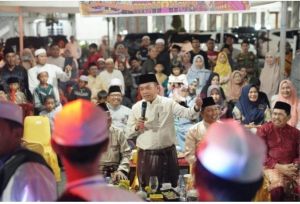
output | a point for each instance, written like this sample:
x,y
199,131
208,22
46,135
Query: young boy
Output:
x,y
15,95
101,97
43,90
50,109
80,90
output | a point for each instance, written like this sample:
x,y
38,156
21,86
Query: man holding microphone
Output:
x,y
152,122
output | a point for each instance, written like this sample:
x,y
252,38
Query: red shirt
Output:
x,y
91,59
282,144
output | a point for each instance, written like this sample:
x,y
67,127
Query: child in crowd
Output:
x,y
176,79
43,90
177,75
50,109
101,97
161,77
15,95
80,90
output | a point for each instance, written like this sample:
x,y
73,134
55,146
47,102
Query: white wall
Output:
x,y
90,28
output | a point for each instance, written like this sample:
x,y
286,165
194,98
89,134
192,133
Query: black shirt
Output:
x,y
204,55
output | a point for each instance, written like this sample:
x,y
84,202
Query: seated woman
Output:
x,y
288,94
214,79
198,72
251,110
233,90
223,68
215,92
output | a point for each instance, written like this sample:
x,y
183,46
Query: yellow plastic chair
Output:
x,y
37,136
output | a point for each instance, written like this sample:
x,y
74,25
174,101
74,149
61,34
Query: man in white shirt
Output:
x,y
93,85
210,114
54,72
108,74
118,112
152,122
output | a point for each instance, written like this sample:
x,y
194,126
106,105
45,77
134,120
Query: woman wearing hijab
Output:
x,y
235,85
186,62
223,68
233,90
214,79
121,55
295,73
269,76
251,110
215,92
198,72
287,93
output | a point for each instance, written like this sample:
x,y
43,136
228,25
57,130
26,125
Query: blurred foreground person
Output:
x,y
80,136
24,175
229,163
282,162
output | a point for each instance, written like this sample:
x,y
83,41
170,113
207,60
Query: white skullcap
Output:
x,y
11,111
232,152
41,70
80,123
84,78
160,40
40,51
109,60
116,82
101,59
145,37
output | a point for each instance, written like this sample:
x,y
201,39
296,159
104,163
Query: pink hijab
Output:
x,y
233,90
292,100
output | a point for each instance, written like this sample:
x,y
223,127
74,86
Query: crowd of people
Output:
x,y
163,101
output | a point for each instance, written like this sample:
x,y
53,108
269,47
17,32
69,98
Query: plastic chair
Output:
x,y
37,136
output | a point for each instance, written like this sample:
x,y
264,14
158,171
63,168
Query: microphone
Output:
x,y
144,107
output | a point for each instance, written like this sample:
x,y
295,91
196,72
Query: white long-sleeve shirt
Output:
x,y
54,73
119,116
105,77
159,127
31,182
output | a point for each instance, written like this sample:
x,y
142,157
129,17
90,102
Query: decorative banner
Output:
x,y
130,8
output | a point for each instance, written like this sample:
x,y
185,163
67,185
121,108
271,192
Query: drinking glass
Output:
x,y
153,183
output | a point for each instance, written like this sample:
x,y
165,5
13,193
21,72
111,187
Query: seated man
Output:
x,y
119,113
210,114
115,161
24,175
282,162
229,163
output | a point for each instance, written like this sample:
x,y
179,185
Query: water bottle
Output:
x,y
181,188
